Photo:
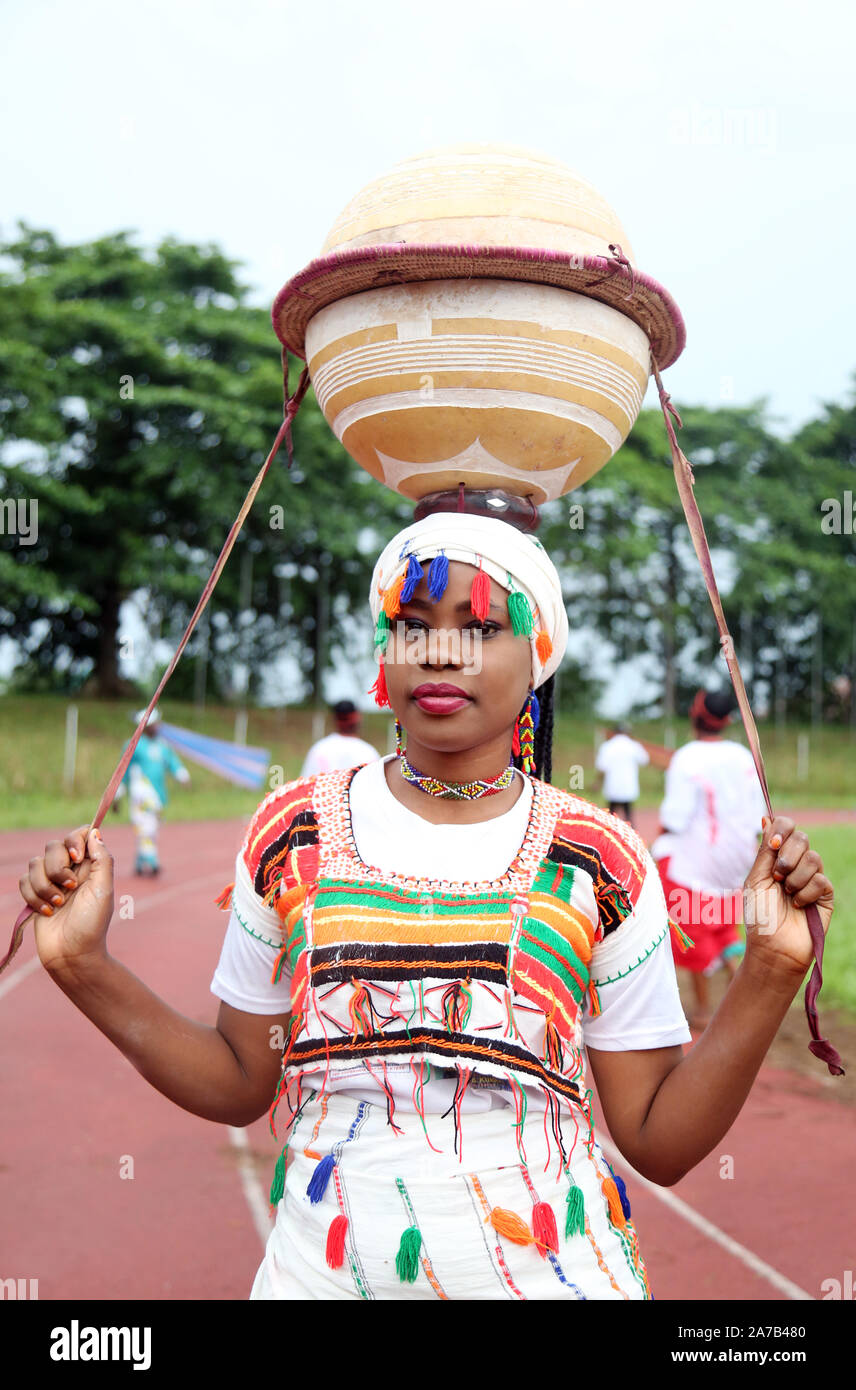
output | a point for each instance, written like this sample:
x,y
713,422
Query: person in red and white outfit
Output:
x,y
710,823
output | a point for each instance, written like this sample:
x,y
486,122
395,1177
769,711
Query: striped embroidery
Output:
x,y
489,977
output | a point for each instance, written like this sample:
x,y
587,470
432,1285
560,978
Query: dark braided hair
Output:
x,y
543,742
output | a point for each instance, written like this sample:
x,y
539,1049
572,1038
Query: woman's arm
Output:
x,y
667,1111
227,1073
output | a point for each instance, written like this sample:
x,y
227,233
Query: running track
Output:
x,y
189,1224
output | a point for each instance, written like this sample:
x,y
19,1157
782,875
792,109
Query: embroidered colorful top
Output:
x,y
489,978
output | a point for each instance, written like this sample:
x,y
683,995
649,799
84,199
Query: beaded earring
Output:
x,y
523,739
399,739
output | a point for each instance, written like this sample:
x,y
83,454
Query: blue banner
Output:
x,y
244,766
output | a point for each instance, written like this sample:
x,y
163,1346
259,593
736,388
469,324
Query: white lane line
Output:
x,y
19,975
689,1214
144,905
253,1190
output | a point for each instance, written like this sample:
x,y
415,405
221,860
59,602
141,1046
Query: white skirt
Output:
x,y
400,1221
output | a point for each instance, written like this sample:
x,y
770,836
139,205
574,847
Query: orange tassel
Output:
x,y
594,999
543,646
616,1210
684,942
286,902
480,595
544,1227
336,1242
379,690
392,597
513,1227
224,902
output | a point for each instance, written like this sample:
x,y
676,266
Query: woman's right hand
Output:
x,y
70,890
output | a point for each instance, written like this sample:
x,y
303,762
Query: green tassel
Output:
x,y
520,614
277,1187
381,636
407,1259
575,1221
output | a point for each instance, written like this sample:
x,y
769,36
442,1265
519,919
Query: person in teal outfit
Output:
x,y
153,762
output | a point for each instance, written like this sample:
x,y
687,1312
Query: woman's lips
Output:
x,y
439,698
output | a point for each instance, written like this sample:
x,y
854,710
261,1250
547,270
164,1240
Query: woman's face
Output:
x,y
456,683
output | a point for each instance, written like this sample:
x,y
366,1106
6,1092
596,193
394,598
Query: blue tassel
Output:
x,y
534,710
415,574
320,1178
622,1192
438,576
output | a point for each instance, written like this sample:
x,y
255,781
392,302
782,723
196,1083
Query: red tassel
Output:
x,y
379,689
480,595
336,1242
515,740
544,1228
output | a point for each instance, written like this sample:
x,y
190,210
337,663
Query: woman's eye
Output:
x,y
486,629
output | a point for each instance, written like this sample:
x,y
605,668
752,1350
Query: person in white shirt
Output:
x,y
618,762
710,822
341,749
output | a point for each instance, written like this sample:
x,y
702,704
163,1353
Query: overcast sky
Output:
x,y
723,135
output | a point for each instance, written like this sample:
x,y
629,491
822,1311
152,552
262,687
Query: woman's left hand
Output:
x,y
786,877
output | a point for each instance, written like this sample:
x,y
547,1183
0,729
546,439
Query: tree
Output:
x,y
139,395
630,570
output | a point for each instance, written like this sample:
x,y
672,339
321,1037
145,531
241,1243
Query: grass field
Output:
x,y
32,731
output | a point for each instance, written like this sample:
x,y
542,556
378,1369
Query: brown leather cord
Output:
x,y
284,434
819,1046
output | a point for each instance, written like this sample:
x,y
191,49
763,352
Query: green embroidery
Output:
x,y
277,945
622,974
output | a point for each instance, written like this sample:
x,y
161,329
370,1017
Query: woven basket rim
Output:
x,y
342,273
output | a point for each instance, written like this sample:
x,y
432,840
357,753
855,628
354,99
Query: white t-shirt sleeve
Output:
x,y
642,754
634,973
679,804
253,941
314,762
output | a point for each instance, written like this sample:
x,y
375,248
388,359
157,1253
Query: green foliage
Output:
x,y
631,572
139,396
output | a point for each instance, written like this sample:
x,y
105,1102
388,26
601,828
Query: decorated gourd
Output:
x,y
476,318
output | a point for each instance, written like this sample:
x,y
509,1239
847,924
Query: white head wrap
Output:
x,y
504,551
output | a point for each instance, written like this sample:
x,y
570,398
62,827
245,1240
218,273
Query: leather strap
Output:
x,y
284,433
685,480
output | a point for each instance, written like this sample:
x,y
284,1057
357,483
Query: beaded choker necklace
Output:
x,y
456,791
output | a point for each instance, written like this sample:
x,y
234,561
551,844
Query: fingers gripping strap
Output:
x,y
684,479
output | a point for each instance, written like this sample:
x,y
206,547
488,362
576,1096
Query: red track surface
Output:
x,y
181,1228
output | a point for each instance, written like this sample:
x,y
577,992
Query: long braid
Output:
x,y
543,748
542,745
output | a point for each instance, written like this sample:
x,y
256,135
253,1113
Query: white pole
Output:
x,y
803,749
70,746
317,725
241,727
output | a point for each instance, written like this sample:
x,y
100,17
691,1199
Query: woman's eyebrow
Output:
x,y
462,607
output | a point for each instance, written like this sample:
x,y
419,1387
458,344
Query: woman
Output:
x,y
447,933
709,837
